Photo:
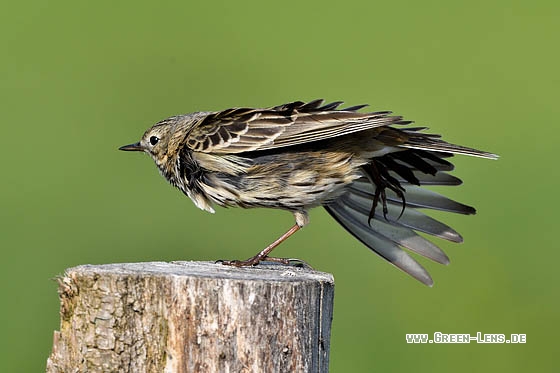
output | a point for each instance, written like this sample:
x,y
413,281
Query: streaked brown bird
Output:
x,y
300,155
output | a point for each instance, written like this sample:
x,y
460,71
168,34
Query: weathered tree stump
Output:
x,y
193,317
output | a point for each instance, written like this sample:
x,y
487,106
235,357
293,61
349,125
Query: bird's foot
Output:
x,y
256,260
241,263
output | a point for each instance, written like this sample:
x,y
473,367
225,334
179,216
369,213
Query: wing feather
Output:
x,y
238,130
388,237
243,129
355,222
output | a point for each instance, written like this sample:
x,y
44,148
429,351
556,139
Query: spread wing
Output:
x,y
244,129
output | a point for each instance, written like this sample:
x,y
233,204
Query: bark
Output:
x,y
193,317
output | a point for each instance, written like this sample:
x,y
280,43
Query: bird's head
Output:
x,y
160,141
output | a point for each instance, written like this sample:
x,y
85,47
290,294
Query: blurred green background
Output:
x,y
79,80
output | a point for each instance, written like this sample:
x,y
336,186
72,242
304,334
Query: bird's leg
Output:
x,y
263,255
301,220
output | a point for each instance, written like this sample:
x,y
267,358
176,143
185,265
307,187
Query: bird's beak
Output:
x,y
132,148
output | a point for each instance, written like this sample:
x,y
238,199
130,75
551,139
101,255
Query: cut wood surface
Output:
x,y
193,317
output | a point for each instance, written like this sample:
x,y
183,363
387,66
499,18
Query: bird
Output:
x,y
367,169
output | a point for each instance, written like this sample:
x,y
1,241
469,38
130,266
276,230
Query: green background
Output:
x,y
79,80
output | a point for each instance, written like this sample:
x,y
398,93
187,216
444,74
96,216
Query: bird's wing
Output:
x,y
387,238
389,230
243,129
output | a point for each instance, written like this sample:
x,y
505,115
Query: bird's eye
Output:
x,y
154,140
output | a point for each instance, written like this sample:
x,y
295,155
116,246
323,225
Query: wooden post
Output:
x,y
193,317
